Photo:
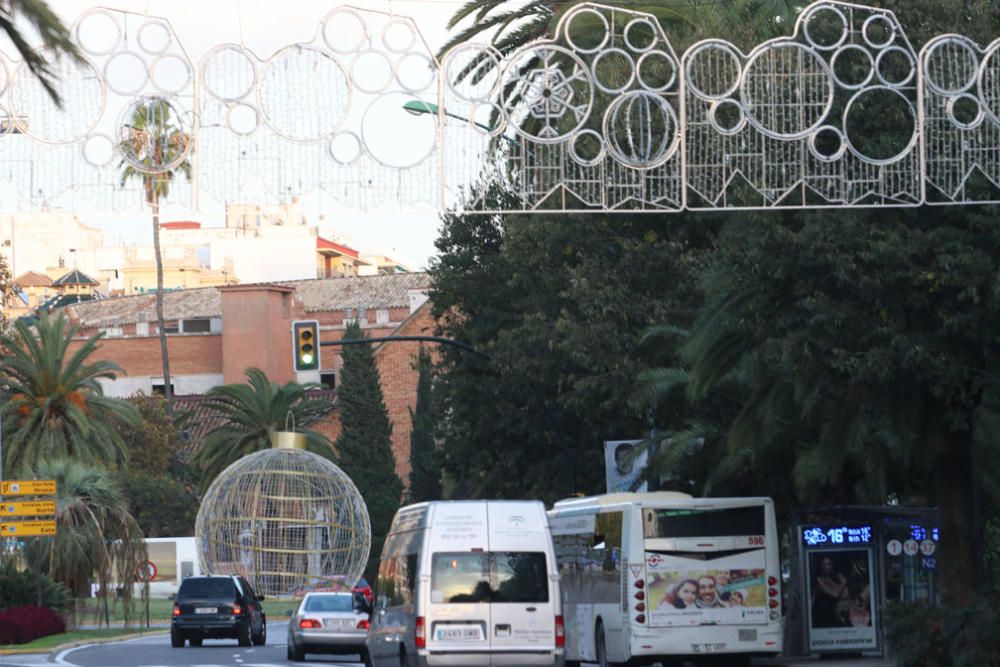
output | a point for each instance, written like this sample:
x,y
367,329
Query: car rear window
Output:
x,y
318,603
207,588
501,576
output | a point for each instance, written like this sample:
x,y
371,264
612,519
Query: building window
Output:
x,y
328,380
171,327
161,389
197,326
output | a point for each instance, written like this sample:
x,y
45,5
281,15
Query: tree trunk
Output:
x,y
957,563
159,301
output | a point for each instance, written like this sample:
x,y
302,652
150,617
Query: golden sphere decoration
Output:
x,y
287,520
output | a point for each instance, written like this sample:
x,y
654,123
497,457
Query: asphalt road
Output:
x,y
156,652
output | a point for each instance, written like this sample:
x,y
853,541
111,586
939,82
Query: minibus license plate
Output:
x,y
206,610
461,633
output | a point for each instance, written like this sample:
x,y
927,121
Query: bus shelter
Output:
x,y
846,565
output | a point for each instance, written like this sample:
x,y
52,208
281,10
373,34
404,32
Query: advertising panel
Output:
x,y
841,606
163,556
682,592
623,467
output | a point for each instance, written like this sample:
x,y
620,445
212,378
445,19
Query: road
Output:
x,y
156,651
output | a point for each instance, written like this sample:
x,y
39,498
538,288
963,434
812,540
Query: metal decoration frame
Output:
x,y
604,116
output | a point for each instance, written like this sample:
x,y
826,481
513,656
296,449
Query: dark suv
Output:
x,y
217,606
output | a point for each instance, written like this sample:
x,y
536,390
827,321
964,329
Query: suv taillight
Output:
x,y
420,633
560,632
177,610
237,610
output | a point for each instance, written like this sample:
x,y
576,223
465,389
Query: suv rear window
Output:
x,y
499,576
207,588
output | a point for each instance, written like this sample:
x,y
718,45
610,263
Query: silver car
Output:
x,y
329,623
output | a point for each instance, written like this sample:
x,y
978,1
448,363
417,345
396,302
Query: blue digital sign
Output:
x,y
919,533
814,536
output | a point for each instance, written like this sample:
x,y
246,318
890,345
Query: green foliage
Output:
x,y
252,413
556,307
991,552
364,447
425,457
152,442
19,587
57,407
96,536
54,35
918,635
162,506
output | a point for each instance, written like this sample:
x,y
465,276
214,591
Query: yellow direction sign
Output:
x,y
28,508
28,487
27,528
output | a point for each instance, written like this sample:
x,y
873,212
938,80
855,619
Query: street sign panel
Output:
x,y
29,508
27,528
28,487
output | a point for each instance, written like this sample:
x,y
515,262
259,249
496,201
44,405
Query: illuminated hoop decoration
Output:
x,y
961,120
825,118
589,120
126,58
326,114
286,519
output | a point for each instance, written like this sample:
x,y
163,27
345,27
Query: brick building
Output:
x,y
215,333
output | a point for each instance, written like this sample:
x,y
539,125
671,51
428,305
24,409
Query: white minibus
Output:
x,y
467,583
649,577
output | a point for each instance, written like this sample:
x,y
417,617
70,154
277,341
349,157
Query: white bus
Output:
x,y
648,577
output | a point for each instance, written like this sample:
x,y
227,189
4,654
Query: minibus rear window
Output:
x,y
519,577
506,576
460,577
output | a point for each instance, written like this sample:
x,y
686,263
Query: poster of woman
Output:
x,y
841,612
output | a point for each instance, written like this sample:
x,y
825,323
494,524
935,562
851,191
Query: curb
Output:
x,y
83,642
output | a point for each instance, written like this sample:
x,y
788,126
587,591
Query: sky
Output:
x,y
264,26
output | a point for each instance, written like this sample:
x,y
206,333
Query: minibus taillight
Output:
x,y
419,633
560,632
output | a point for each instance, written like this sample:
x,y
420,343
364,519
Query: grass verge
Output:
x,y
91,610
52,641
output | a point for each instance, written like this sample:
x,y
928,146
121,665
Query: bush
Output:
x,y
922,636
19,588
20,625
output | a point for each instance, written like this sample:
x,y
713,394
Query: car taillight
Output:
x,y
177,610
309,623
560,632
237,610
363,624
419,633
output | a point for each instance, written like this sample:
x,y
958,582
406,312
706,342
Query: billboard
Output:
x,y
841,606
623,467
682,592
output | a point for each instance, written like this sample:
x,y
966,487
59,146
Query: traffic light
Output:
x,y
305,339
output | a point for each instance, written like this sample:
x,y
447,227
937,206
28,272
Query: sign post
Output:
x,y
36,508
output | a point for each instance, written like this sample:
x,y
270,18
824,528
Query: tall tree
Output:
x,y
55,37
251,413
364,447
157,143
425,457
57,406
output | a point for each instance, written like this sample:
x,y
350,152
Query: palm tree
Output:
x,y
251,412
56,405
55,36
153,152
96,535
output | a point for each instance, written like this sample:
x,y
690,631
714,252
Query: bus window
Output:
x,y
737,521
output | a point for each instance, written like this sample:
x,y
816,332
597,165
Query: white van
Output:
x,y
467,583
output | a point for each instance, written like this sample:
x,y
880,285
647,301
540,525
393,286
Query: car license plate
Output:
x,y
337,623
462,633
708,648
207,610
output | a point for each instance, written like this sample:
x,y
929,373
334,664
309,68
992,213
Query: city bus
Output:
x,y
648,577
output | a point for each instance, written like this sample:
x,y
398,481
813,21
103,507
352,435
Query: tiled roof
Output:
x,y
61,300
75,277
388,290
32,279
202,419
